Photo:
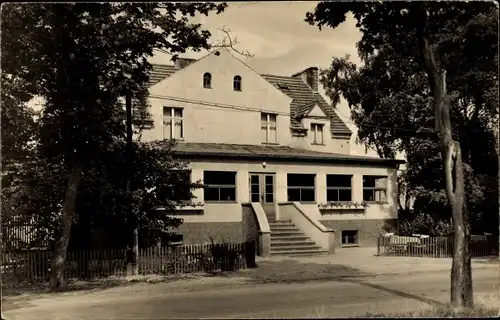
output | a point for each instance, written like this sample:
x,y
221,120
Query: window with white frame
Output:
x,y
301,187
338,187
317,133
375,189
173,124
220,186
269,127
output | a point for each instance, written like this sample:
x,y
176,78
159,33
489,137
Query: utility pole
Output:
x,y
130,161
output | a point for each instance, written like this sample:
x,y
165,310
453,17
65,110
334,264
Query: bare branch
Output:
x,y
229,42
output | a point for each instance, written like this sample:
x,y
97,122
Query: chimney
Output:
x,y
181,63
310,76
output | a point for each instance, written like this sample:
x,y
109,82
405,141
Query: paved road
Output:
x,y
348,297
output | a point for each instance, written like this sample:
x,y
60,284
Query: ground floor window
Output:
x,y
349,237
220,186
338,187
375,188
180,189
301,187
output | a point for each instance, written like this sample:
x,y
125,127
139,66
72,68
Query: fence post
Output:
x,y
250,254
378,246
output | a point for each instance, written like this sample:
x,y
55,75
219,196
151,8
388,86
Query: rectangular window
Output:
x,y
375,189
317,133
180,188
220,186
338,187
173,125
269,127
350,237
301,187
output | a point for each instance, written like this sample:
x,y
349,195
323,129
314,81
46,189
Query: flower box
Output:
x,y
342,208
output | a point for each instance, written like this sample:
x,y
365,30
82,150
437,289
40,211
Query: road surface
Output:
x,y
342,298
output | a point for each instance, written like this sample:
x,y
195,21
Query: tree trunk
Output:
x,y
57,279
461,272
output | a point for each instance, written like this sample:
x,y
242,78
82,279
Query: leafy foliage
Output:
x,y
391,103
82,58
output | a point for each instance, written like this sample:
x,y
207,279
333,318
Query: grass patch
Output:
x,y
478,312
488,306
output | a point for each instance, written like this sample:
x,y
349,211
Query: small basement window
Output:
x,y
350,237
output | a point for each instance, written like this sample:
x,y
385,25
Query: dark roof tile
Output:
x,y
223,150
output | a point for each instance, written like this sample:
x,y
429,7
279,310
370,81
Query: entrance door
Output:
x,y
262,190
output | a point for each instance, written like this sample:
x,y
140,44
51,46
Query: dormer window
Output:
x,y
237,83
317,133
207,80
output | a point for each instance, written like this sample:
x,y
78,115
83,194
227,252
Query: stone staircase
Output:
x,y
287,239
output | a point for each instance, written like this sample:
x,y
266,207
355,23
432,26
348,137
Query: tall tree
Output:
x,y
421,40
81,58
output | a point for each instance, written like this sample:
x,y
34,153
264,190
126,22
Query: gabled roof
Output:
x,y
160,72
302,95
265,152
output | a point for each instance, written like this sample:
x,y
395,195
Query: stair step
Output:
x,y
297,248
291,237
295,243
287,233
280,222
299,252
284,229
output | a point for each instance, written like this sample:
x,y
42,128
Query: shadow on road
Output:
x,y
399,293
293,271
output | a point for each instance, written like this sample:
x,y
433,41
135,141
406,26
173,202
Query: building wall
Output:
x,y
231,212
220,114
331,144
231,222
368,229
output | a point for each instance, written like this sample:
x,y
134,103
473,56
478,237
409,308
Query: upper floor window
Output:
x,y
375,188
338,187
237,83
207,80
269,127
173,124
317,133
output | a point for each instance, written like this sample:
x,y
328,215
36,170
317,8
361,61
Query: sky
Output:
x,y
282,43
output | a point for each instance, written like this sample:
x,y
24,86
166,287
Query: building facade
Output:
x,y
273,155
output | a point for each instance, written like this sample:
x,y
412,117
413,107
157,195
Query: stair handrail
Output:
x,y
314,222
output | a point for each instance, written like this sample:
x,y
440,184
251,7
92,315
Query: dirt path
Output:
x,y
335,298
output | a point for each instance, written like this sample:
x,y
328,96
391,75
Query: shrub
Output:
x,y
224,257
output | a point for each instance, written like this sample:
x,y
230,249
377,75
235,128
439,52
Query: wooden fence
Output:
x,y
21,236
34,266
434,247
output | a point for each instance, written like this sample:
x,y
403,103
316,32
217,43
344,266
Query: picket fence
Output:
x,y
34,266
435,247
